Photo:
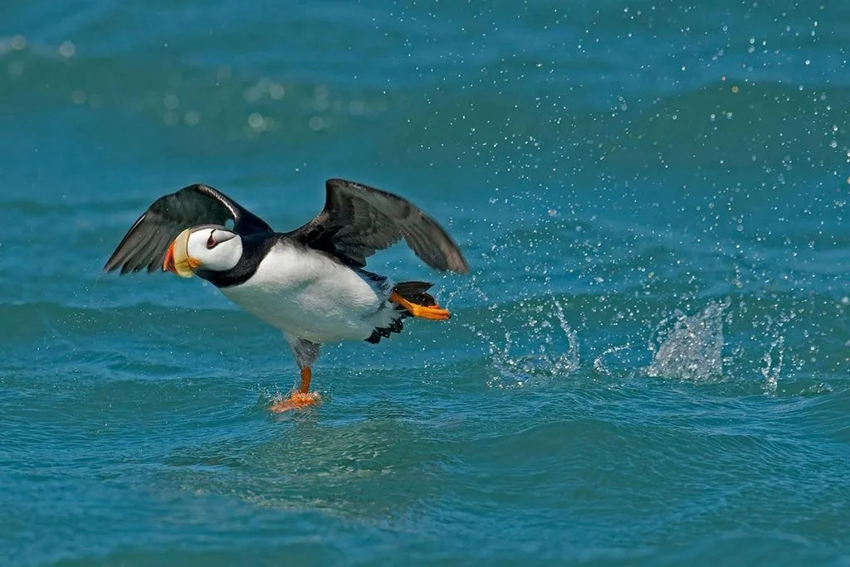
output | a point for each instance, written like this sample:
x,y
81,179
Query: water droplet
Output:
x,y
276,91
257,122
171,101
317,123
355,108
192,118
67,49
18,43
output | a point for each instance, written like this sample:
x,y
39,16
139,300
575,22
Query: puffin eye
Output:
x,y
211,243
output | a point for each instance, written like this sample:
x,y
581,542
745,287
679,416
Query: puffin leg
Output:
x,y
306,376
305,353
300,398
433,312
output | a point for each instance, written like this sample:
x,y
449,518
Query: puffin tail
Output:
x,y
411,300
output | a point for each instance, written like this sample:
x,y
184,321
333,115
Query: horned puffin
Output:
x,y
311,282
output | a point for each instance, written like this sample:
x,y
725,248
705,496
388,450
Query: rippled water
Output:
x,y
648,364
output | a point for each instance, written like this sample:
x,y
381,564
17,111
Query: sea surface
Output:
x,y
648,364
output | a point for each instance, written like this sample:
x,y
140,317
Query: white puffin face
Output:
x,y
210,248
217,249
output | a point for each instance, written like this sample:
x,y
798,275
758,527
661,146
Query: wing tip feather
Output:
x,y
461,268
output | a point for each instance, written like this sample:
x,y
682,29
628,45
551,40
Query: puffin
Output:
x,y
311,283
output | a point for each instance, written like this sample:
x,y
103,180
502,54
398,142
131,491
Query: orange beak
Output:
x,y
168,262
177,259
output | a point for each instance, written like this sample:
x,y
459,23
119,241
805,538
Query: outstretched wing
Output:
x,y
358,220
145,244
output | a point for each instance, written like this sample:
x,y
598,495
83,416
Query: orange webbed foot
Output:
x,y
433,312
298,400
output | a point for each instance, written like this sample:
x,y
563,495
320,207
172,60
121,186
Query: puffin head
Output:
x,y
211,248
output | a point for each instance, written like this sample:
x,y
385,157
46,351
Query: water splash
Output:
x,y
611,358
546,347
773,364
775,328
690,349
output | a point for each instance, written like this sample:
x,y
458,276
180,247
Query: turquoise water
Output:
x,y
647,366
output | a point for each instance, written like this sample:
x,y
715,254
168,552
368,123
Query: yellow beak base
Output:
x,y
177,259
